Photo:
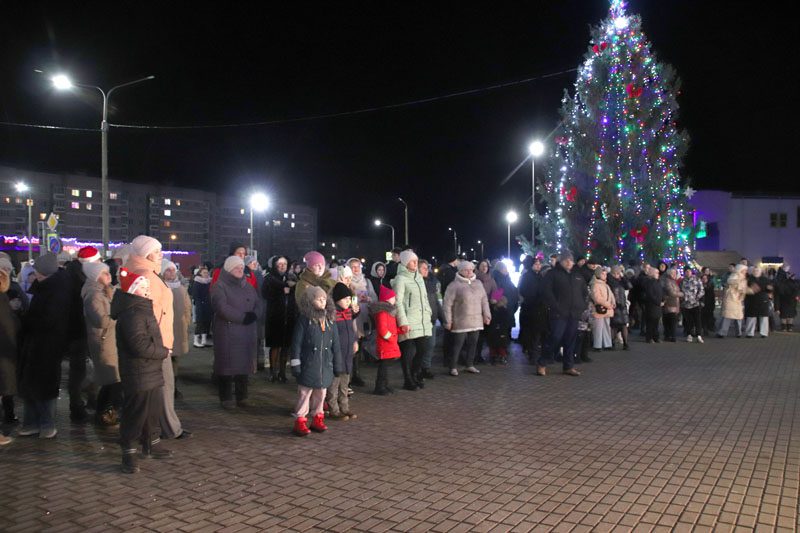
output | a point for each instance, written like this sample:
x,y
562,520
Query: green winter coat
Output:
x,y
413,308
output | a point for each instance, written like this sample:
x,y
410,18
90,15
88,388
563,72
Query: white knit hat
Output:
x,y
93,269
232,262
406,256
167,264
144,245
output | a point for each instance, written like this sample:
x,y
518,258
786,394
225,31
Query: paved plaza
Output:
x,y
668,437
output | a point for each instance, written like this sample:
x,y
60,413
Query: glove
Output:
x,y
403,330
296,371
249,318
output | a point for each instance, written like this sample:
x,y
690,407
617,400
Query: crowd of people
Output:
x,y
134,317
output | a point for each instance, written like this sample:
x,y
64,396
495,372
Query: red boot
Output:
x,y
319,423
300,427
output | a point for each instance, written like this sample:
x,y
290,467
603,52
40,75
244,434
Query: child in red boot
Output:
x,y
499,328
386,344
315,358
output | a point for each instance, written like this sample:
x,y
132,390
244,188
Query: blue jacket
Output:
x,y
316,354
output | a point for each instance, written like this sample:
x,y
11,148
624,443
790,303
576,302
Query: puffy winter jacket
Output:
x,y
316,354
386,331
565,293
465,306
413,309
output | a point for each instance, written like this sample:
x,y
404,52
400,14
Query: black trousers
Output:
x,y
412,351
692,324
139,421
78,350
382,377
109,396
651,319
670,325
227,385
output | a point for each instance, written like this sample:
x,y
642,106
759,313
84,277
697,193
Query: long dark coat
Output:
x,y
281,310
787,290
201,298
757,304
234,342
9,343
45,333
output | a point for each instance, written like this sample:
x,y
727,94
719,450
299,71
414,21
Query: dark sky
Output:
x,y
447,158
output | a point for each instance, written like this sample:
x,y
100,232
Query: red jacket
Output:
x,y
386,340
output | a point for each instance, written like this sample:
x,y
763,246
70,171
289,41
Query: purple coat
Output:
x,y
234,342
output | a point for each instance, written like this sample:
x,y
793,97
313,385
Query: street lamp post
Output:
x,y
62,82
379,223
481,243
511,217
23,188
536,149
405,209
455,241
258,202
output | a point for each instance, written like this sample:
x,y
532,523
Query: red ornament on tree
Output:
x,y
572,194
633,91
599,47
562,140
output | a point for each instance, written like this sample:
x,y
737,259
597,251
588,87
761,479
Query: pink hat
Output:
x,y
88,254
314,258
497,294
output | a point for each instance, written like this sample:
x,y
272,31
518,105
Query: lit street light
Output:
x,y
406,217
455,241
536,148
379,223
258,202
63,83
481,243
511,217
23,188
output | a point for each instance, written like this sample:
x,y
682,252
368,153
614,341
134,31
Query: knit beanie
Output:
x,y
232,262
465,264
340,290
63,257
5,265
130,281
249,259
167,264
88,254
93,270
144,246
314,258
46,264
345,272
406,256
386,293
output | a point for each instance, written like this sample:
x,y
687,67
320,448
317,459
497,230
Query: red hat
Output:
x,y
88,254
386,293
131,281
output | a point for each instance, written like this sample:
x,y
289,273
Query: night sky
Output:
x,y
446,158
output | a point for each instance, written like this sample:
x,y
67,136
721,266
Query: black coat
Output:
x,y
281,310
709,298
447,274
77,323
498,330
533,311
201,298
653,297
757,304
786,291
139,345
45,332
564,293
618,288
9,344
391,273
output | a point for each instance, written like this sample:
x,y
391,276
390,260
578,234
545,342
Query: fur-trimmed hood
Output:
x,y
306,306
377,307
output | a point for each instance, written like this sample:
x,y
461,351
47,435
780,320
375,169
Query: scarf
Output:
x,y
173,284
202,280
467,280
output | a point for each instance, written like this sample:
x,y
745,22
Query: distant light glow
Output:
x,y
511,217
621,23
259,202
61,82
536,148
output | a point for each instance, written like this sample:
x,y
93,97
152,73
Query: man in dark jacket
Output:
x,y
653,297
564,292
531,311
447,273
78,350
391,268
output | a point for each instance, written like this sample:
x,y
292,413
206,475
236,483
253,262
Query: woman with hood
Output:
x,y
202,307
182,311
376,275
278,292
787,289
365,295
733,301
315,275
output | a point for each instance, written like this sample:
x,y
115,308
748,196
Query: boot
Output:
x,y
130,464
241,391
107,418
318,424
155,450
9,417
300,428
205,340
197,343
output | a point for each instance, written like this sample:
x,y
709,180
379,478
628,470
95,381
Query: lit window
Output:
x,y
167,223
323,244
277,223
75,205
333,245
88,206
167,201
88,194
333,257
167,212
178,203
241,211
248,231
42,216
286,215
18,200
8,200
113,195
292,224
76,192
292,216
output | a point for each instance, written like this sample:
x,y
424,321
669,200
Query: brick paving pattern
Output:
x,y
669,437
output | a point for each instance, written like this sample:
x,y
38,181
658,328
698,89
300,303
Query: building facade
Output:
x,y
183,219
763,228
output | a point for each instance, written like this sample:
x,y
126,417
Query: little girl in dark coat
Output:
x,y
499,328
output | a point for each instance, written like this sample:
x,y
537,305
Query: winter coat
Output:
x,y
653,293
308,279
392,268
234,342
564,293
733,298
601,294
77,325
466,307
510,292
497,333
693,292
160,294
16,292
672,296
618,287
533,311
101,332
10,327
386,334
373,276
139,344
364,291
447,274
348,334
182,313
413,308
709,297
756,300
489,284
201,298
787,291
249,275
316,355
45,337
281,309
433,288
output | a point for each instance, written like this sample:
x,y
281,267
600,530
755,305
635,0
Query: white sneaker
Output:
x,y
700,339
689,338
453,372
48,433
472,370
5,440
28,432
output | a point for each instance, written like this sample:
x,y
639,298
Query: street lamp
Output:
x,y
536,148
258,202
511,217
481,243
379,223
22,188
63,83
406,217
455,240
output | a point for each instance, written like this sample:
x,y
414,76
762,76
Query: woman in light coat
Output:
x,y
101,335
601,319
466,312
182,317
733,301
672,305
365,294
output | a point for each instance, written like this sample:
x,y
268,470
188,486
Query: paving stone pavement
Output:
x,y
668,437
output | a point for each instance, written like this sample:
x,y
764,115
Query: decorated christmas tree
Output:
x,y
613,188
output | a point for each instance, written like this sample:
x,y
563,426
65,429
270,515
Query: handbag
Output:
x,y
600,309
